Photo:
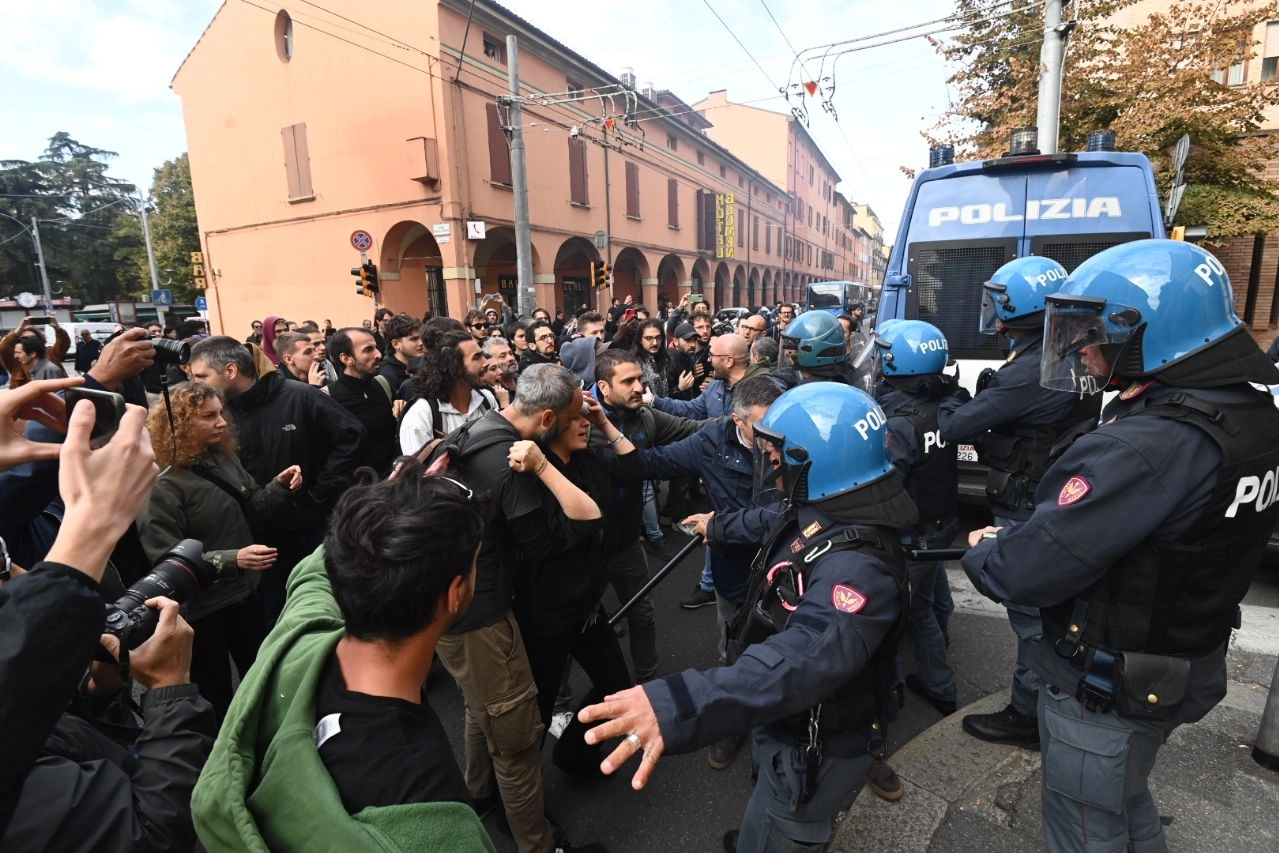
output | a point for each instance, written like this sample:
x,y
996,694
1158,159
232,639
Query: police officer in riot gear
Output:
x,y
1146,532
910,358
817,633
1015,423
813,348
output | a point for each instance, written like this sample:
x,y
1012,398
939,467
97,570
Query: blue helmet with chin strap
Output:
x,y
1137,309
824,439
817,339
1014,296
911,348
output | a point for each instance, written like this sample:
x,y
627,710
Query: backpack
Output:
x,y
442,454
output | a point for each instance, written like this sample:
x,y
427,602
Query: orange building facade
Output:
x,y
308,131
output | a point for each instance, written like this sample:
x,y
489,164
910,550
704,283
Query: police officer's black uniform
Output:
x,y
1015,423
1150,549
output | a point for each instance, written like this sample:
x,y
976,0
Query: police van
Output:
x,y
839,297
963,221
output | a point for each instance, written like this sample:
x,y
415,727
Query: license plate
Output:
x,y
967,453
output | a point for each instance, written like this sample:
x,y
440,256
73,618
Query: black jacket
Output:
x,y
369,401
63,785
282,423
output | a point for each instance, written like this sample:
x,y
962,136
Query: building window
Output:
x,y
741,182
494,49
701,158
768,239
1234,75
283,36
632,190
723,173
574,87
672,203
297,163
672,143
754,233
499,150
1270,52
577,186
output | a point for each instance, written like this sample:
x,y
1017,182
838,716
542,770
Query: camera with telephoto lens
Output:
x,y
179,574
169,351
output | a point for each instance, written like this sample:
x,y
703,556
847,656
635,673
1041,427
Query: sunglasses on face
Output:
x,y
479,325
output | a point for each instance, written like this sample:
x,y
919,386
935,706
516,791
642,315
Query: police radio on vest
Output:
x,y
1036,209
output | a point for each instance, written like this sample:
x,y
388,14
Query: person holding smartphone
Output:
x,y
207,495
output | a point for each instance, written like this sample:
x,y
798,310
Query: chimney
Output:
x,y
628,78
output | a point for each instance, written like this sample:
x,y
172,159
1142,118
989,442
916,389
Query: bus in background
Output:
x,y
839,297
963,221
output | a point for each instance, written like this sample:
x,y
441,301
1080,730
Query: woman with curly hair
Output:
x,y
206,494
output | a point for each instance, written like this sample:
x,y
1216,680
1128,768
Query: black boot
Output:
x,y
1007,726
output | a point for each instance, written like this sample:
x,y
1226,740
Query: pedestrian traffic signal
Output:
x,y
600,274
367,274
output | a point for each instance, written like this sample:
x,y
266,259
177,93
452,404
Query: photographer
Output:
x,y
78,790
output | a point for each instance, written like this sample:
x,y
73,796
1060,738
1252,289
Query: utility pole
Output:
x,y
1051,60
155,276
44,273
519,181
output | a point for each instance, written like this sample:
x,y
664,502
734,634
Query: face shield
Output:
x,y
992,296
1083,339
864,357
787,350
769,482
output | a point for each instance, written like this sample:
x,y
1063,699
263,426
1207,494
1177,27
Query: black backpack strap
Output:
x,y
437,419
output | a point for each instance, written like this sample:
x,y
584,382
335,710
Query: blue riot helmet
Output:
x,y
1138,309
1014,296
910,348
813,339
821,440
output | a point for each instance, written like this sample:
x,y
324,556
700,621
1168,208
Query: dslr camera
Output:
x,y
179,574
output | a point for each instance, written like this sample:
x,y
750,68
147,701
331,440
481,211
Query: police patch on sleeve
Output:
x,y
1073,492
846,599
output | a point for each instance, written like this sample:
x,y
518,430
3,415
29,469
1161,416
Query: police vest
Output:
x,y
1181,598
933,484
773,594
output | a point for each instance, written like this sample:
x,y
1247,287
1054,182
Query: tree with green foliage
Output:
x,y
174,232
1150,83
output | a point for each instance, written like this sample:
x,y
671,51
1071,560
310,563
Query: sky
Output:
x,y
100,70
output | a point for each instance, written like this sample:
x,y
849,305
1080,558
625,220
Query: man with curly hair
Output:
x,y
449,390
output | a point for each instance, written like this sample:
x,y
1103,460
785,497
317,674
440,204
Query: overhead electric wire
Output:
x,y
742,46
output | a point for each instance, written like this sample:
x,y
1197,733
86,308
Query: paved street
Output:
x,y
688,806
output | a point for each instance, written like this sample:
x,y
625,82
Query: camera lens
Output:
x,y
171,352
179,575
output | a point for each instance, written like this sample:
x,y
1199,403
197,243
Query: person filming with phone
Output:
x,y
64,784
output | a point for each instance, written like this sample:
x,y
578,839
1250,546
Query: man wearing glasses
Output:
x,y
752,327
541,346
785,314
477,323
256,336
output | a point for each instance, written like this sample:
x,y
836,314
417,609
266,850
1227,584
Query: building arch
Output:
x,y
573,275
670,272
411,270
719,300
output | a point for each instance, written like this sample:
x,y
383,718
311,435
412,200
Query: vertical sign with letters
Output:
x,y
725,225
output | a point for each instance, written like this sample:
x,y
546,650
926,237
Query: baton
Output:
x,y
938,554
657,578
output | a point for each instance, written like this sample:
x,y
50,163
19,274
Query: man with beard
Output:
x,y
449,390
541,348
485,652
365,393
619,388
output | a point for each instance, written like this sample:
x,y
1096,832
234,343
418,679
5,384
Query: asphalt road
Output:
x,y
688,806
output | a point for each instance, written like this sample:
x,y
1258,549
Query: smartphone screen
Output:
x,y
108,408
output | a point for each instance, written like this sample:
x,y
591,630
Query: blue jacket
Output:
x,y
715,402
727,468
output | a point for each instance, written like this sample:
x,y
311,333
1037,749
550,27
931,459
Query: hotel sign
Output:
x,y
725,225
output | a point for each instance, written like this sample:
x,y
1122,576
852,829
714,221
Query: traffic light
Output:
x,y
600,273
362,286
367,274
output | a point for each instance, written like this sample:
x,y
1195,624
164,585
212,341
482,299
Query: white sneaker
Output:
x,y
559,722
